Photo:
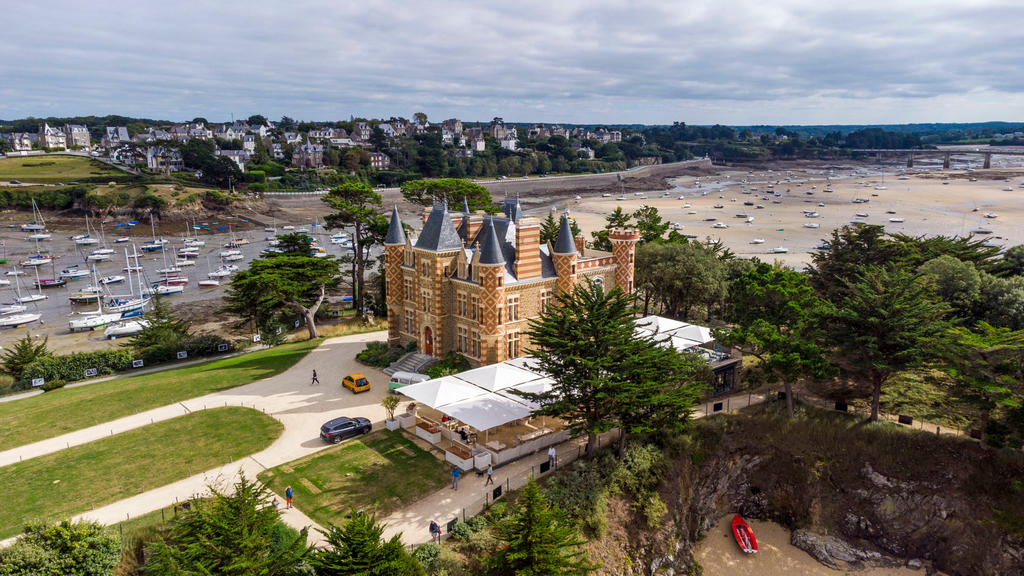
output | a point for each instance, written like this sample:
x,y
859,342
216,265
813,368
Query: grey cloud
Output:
x,y
568,61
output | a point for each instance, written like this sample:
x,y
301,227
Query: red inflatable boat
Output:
x,y
744,535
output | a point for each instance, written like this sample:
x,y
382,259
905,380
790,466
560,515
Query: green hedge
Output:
x,y
72,367
195,346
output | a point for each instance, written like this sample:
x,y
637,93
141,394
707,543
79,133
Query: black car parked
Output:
x,y
336,430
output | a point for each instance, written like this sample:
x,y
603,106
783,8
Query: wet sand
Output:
x,y
719,554
928,203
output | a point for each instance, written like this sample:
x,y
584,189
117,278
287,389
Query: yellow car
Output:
x,y
356,382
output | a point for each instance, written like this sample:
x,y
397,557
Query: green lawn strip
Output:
x,y
66,410
377,473
53,168
81,478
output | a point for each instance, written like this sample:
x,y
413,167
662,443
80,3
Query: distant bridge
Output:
x,y
945,153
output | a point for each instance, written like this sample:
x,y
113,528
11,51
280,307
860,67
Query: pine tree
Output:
x,y
230,534
605,375
537,541
23,353
881,322
617,219
164,328
549,229
358,549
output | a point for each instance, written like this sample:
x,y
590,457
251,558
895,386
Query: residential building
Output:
x,y
605,136
277,150
541,131
127,154
152,135
470,282
292,138
497,129
586,153
52,138
239,157
321,134
77,135
308,155
249,143
379,161
510,141
389,130
361,131
474,133
115,136
478,144
453,125
164,159
343,142
20,141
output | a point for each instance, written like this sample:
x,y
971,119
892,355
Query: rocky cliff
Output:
x,y
855,496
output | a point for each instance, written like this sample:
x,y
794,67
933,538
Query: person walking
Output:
x,y
551,456
435,532
490,475
288,497
455,477
316,381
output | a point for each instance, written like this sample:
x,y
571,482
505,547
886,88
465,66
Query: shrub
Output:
x,y
461,532
478,523
194,346
217,197
379,354
426,554
72,367
53,385
452,363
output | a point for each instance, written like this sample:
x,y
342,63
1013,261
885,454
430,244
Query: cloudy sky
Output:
x,y
595,61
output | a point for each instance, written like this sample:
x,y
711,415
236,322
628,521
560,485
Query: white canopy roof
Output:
x,y
497,376
442,391
680,344
487,411
658,324
699,334
533,387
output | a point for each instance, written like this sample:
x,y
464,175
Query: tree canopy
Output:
x,y
453,190
356,205
605,375
537,541
62,549
358,548
278,282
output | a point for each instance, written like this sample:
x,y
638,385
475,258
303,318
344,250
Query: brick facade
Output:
x,y
447,300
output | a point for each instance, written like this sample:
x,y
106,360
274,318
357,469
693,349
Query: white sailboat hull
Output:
x,y
18,319
125,328
92,321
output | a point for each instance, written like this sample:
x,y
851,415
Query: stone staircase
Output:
x,y
411,362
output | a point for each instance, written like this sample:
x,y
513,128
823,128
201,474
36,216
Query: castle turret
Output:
x,y
564,256
624,249
491,273
433,260
394,254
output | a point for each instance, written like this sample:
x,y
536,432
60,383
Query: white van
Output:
x,y
400,379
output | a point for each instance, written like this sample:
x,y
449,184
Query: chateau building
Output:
x,y
470,282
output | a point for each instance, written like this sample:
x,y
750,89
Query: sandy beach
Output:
x,y
773,206
720,556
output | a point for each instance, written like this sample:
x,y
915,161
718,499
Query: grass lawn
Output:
x,y
53,168
376,473
69,409
84,477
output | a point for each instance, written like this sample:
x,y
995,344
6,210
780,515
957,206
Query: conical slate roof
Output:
x,y
439,233
490,249
511,208
395,233
465,206
565,243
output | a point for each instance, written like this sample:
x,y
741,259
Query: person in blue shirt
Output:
x,y
455,477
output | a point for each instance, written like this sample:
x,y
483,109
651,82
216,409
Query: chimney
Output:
x,y
476,221
581,243
527,263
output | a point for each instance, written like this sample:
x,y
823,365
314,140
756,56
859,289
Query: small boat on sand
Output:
x,y
744,535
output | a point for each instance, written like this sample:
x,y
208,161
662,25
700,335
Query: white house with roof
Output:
x,y
115,136
20,141
77,135
52,138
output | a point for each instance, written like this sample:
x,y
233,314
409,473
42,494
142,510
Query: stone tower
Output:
x,y
433,258
624,249
565,256
394,255
491,273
